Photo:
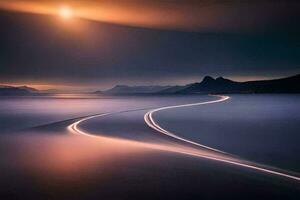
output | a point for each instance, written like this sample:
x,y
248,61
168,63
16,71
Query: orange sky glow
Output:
x,y
206,15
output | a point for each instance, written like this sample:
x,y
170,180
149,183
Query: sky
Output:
x,y
104,43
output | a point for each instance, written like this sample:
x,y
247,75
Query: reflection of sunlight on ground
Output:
x,y
71,156
75,166
63,155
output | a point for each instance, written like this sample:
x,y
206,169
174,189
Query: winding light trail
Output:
x,y
214,154
148,117
73,128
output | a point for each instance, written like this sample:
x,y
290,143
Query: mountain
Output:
x,y
222,85
209,85
16,91
172,89
125,89
30,89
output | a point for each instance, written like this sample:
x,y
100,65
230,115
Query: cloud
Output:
x,y
143,43
207,16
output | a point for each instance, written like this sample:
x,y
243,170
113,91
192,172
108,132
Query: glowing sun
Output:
x,y
66,12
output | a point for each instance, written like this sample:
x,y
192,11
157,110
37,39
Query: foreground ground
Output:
x,y
50,162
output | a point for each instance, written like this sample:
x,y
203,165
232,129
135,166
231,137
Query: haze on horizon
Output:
x,y
103,43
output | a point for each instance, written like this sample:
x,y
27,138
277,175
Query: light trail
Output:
x,y
212,154
148,117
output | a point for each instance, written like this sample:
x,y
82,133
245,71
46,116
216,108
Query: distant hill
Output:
x,y
30,89
210,85
173,89
6,90
222,85
16,91
125,89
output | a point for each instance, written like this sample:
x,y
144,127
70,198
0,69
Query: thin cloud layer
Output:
x,y
207,16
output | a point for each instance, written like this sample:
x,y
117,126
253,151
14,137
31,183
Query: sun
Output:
x,y
66,12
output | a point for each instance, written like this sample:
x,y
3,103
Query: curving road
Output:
x,y
186,146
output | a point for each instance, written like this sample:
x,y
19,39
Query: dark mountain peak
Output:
x,y
30,89
12,91
207,79
222,85
220,78
223,80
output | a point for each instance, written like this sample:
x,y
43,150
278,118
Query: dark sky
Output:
x,y
41,49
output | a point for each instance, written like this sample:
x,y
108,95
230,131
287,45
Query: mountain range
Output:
x,y
222,85
208,85
18,91
125,89
7,90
